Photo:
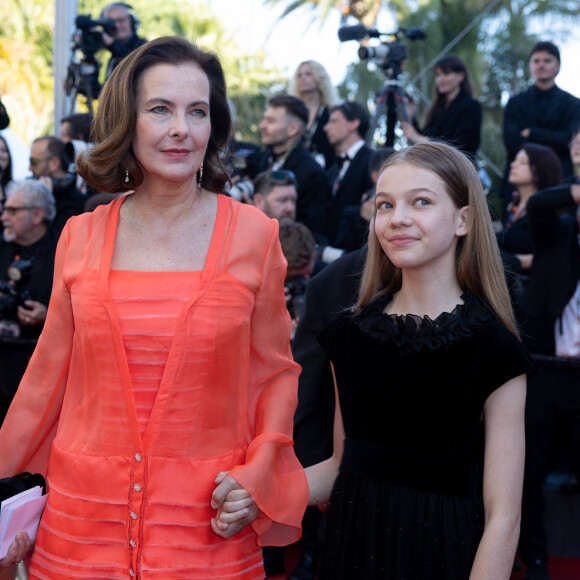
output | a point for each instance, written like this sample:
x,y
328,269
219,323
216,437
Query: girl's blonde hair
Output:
x,y
328,94
478,263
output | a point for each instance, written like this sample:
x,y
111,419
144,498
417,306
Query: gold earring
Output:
x,y
200,175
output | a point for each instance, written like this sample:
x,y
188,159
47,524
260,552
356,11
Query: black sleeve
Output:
x,y
543,208
4,118
512,127
314,417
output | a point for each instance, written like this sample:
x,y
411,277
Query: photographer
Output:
x,y
50,162
26,268
299,249
121,39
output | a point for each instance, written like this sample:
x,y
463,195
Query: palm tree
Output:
x,y
365,11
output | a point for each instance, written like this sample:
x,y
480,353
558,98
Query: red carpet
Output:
x,y
560,568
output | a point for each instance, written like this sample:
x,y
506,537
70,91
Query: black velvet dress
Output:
x,y
407,503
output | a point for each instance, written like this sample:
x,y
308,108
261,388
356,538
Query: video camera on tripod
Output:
x,y
389,55
83,70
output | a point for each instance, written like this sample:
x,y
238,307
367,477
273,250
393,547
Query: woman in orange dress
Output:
x,y
160,398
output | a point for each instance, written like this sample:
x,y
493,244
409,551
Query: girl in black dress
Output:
x,y
426,477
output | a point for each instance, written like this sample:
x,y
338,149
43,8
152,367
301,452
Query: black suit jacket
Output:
x,y
354,184
313,187
550,115
327,293
555,268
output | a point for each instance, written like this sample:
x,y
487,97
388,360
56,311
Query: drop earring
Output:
x,y
200,175
126,176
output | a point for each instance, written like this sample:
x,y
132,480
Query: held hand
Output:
x,y
366,207
236,508
410,106
410,133
18,549
46,180
107,39
32,313
525,133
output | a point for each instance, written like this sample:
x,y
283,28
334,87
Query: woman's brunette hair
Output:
x,y
328,94
104,166
545,165
478,263
6,175
447,64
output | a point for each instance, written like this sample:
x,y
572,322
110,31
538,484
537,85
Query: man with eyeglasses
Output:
x,y
27,252
124,39
49,163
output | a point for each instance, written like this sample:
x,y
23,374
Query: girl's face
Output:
x,y
4,156
173,122
416,222
520,170
575,149
448,82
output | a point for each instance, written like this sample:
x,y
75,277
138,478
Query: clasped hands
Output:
x,y
235,506
235,510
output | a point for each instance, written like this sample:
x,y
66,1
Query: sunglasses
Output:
x,y
37,160
285,176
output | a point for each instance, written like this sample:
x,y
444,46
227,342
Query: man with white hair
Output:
x,y
27,253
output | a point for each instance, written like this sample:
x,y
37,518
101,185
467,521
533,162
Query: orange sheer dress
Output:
x,y
130,498
148,305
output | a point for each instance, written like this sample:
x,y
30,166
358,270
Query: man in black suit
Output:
x,y
549,314
349,176
282,130
543,114
327,293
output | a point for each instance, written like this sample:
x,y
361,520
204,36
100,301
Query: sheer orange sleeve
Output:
x,y
272,474
32,421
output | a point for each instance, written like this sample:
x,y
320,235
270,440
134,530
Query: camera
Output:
x,y
387,54
83,73
11,296
296,287
384,53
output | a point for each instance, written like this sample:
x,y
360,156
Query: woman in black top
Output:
x,y
535,168
311,83
454,115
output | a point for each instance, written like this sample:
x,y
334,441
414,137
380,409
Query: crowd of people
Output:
x,y
214,349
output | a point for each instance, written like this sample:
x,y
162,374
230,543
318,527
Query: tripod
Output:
x,y
83,79
390,98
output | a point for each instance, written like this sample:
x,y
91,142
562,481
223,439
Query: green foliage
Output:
x,y
26,81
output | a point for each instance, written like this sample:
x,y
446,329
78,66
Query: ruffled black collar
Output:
x,y
412,333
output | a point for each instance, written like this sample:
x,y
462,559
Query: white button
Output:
x,y
138,457
137,487
133,544
134,515
132,572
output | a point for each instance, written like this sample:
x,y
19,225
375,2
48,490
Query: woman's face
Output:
x,y
575,149
520,170
305,78
173,122
448,82
416,221
4,155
